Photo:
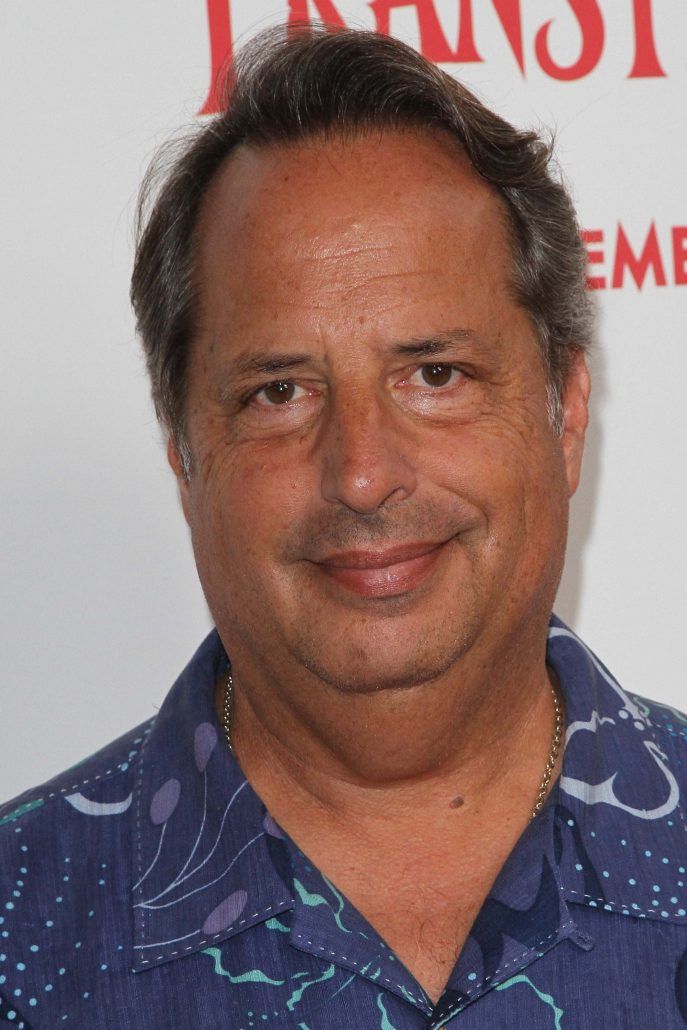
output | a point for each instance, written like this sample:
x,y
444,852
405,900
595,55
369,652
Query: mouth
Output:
x,y
388,573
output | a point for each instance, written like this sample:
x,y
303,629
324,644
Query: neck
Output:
x,y
463,748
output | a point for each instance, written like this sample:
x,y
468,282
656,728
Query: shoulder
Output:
x,y
663,715
65,846
65,882
669,727
37,808
622,726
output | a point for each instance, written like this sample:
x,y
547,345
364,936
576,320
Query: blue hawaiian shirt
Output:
x,y
148,887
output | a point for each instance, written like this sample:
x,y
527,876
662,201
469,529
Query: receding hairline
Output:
x,y
340,140
341,137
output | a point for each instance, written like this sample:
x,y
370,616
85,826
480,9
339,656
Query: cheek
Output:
x,y
483,461
246,501
515,475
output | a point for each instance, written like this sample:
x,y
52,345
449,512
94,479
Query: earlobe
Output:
x,y
174,459
575,418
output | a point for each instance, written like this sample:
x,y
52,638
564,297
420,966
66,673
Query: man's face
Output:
x,y
376,488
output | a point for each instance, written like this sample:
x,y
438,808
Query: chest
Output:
x,y
424,919
427,942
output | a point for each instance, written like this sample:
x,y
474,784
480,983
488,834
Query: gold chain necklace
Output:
x,y
551,761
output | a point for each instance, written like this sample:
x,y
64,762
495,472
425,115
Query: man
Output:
x,y
361,296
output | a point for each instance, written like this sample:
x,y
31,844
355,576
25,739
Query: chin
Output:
x,y
364,651
367,669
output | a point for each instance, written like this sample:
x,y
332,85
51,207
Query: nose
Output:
x,y
364,463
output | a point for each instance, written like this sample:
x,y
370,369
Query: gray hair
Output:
x,y
292,85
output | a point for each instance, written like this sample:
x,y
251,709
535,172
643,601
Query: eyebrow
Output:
x,y
269,363
427,346
265,363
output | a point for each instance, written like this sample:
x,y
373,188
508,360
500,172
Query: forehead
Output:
x,y
324,225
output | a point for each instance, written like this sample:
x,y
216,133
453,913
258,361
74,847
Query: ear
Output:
x,y
575,418
177,467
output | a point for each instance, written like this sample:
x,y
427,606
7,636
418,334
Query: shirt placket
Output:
x,y
524,916
325,924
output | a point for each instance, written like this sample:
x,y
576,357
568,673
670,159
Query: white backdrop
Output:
x,y
100,601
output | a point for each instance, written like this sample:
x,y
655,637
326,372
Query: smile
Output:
x,y
382,573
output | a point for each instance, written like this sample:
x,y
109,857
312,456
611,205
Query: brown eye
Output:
x,y
279,393
437,375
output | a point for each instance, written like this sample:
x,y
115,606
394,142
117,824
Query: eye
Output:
x,y
279,392
437,374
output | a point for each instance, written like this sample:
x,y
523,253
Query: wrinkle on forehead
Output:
x,y
391,220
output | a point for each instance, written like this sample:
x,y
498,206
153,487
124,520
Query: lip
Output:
x,y
388,573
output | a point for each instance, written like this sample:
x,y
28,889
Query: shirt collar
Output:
x,y
620,832
611,834
208,861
